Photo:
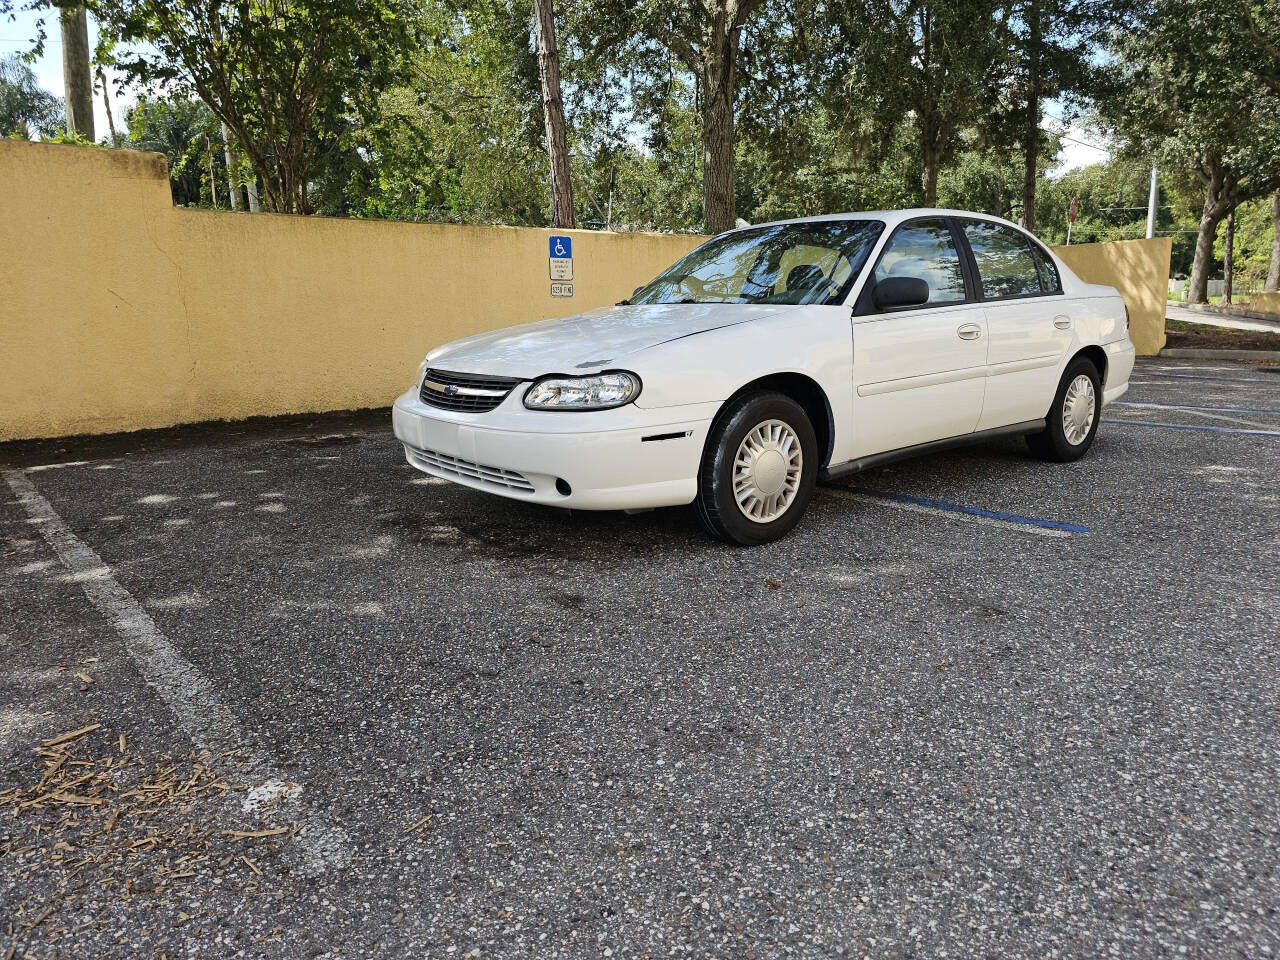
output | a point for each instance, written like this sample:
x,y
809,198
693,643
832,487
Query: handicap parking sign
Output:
x,y
560,251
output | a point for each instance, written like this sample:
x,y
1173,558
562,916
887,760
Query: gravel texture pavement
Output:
x,y
896,733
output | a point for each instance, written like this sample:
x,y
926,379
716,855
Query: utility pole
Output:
x,y
1153,201
553,113
75,72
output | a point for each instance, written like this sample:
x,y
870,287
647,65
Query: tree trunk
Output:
x,y
1273,272
924,118
1228,265
213,181
1031,134
233,190
553,113
1216,206
75,72
1198,285
251,186
929,157
718,135
106,105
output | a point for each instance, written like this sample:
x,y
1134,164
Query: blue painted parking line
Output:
x,y
1051,528
1192,426
1195,406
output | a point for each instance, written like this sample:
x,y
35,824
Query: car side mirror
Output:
x,y
894,292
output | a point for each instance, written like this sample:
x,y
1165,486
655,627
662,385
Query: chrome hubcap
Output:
x,y
1079,407
766,471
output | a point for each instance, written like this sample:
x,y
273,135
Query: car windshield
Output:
x,y
810,262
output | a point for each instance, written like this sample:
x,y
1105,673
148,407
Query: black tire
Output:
x,y
1051,443
717,507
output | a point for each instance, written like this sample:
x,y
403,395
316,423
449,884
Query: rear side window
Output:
x,y
1050,282
925,249
1006,266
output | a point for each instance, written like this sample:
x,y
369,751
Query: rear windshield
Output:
x,y
813,262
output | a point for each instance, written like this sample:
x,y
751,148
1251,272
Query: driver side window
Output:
x,y
925,249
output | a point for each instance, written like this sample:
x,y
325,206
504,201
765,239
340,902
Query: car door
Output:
x,y
1028,322
918,371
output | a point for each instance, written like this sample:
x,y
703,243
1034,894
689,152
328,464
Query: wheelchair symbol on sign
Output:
x,y
560,247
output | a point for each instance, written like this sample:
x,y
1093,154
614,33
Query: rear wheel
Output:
x,y
758,470
1073,418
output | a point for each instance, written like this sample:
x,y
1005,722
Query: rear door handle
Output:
x,y
1062,323
968,331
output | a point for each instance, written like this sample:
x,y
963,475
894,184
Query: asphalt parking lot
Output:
x,y
976,706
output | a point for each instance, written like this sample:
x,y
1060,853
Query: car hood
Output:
x,y
591,341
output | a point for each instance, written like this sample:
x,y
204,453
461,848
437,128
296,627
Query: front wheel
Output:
x,y
758,470
1073,418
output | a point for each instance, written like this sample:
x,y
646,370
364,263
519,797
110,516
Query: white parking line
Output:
x,y
1194,412
184,689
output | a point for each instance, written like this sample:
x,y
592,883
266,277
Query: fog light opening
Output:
x,y
562,487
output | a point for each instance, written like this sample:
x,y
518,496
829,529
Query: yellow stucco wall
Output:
x,y
1139,269
1265,302
119,311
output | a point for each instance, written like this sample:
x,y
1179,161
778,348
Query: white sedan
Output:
x,y
774,356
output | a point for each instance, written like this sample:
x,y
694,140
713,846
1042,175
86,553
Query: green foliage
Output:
x,y
288,77
188,134
935,63
1180,87
460,137
432,110
25,107
1252,248
1183,87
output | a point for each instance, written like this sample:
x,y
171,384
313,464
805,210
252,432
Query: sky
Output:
x,y
1082,147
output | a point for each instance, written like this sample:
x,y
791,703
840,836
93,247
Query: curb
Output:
x,y
1240,313
1198,353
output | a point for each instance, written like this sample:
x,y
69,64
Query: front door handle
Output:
x,y
968,331
1062,323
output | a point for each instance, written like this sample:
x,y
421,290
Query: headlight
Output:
x,y
599,392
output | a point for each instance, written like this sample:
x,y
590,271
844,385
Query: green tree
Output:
x,y
279,73
1049,53
1184,93
186,132
707,38
25,106
460,137
936,62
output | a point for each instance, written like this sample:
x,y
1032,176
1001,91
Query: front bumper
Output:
x,y
602,458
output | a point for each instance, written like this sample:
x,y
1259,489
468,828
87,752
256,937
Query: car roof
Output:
x,y
891,218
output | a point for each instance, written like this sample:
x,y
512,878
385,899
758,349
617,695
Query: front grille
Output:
x,y
465,469
468,392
